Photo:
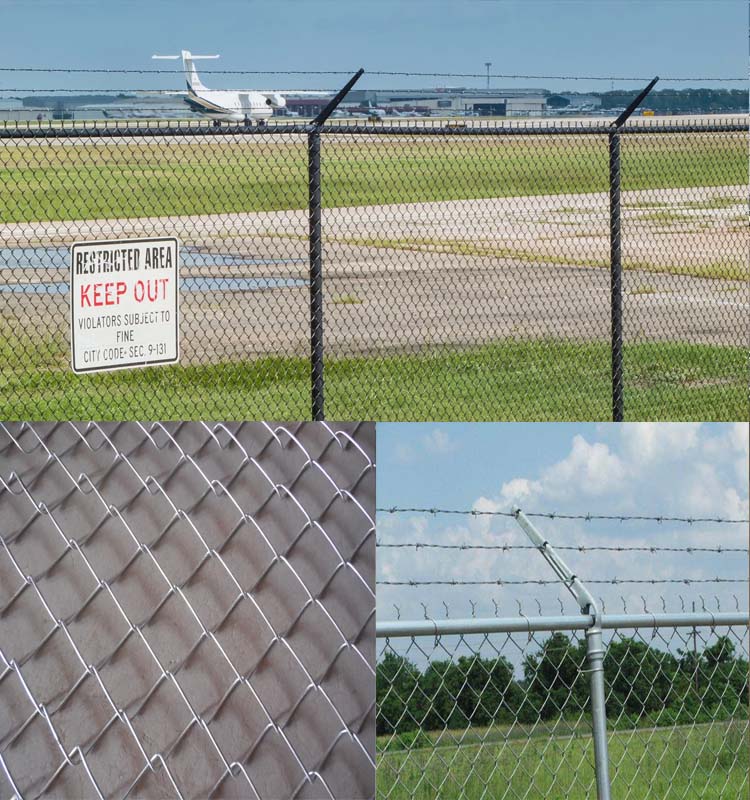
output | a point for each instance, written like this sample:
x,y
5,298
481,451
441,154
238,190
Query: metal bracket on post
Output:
x,y
615,253
316,248
594,649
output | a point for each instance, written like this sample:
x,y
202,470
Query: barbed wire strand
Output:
x,y
577,548
385,73
170,91
546,582
555,515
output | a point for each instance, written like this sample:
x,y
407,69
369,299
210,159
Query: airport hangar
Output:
x,y
435,102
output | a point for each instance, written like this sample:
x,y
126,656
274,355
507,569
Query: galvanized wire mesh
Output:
x,y
187,610
465,269
243,300
506,714
484,675
686,294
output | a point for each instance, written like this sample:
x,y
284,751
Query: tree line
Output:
x,y
680,101
641,681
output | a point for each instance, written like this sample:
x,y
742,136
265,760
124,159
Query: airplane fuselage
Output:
x,y
240,105
230,105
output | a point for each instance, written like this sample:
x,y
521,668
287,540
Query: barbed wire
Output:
x,y
161,90
548,582
626,603
555,515
578,548
151,90
385,73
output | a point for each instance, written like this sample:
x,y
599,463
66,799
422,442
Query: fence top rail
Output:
x,y
13,129
524,624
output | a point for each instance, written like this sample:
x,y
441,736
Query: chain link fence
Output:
x,y
393,271
500,707
187,610
504,692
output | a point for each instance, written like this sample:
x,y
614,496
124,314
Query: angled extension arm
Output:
x,y
583,597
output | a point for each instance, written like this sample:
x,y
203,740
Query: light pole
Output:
x,y
488,64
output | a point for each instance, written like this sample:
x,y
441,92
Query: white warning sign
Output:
x,y
124,304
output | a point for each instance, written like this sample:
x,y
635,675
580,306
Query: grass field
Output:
x,y
708,761
153,177
513,380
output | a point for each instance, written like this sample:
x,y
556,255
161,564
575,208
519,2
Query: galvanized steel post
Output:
x,y
595,662
594,650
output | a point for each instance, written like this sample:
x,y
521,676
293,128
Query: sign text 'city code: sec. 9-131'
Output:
x,y
124,304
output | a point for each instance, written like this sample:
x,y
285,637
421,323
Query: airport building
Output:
x,y
12,110
448,101
435,102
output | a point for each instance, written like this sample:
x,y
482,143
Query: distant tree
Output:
x,y
554,678
725,676
681,100
641,681
640,678
396,680
439,688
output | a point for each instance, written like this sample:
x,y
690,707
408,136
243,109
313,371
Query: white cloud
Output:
x,y
670,470
739,435
590,469
438,441
651,441
403,454
515,492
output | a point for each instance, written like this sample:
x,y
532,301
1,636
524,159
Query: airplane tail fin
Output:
x,y
194,83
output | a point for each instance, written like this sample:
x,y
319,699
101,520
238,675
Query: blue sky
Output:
x,y
677,469
608,37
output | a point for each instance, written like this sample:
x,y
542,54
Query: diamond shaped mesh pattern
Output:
x,y
466,269
507,714
187,610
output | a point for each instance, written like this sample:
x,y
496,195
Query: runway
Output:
x,y
402,278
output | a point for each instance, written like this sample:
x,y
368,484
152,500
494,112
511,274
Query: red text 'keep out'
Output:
x,y
110,293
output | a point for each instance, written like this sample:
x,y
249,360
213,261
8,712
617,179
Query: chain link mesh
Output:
x,y
466,269
686,294
187,610
490,692
506,714
237,205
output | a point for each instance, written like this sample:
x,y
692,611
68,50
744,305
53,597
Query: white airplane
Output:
x,y
221,104
372,113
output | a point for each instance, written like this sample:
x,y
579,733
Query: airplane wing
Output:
x,y
299,92
170,92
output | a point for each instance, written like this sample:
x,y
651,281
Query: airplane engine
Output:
x,y
276,100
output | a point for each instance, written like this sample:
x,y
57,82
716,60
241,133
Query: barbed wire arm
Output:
x,y
594,649
583,597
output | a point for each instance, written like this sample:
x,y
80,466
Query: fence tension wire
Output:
x,y
615,250
594,649
315,245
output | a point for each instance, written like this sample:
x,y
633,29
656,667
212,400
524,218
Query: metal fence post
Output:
x,y
595,664
615,253
316,274
594,650
316,248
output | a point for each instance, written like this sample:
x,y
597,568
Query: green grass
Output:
x,y
710,203
708,761
726,270
149,178
504,381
